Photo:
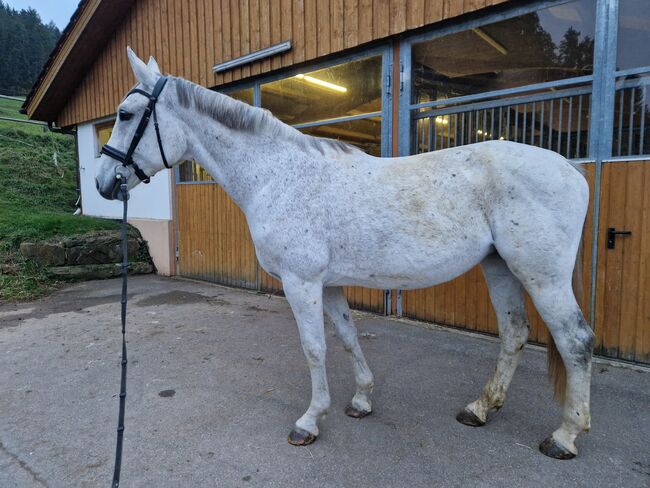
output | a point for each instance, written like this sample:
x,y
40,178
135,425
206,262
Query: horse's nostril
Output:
x,y
97,184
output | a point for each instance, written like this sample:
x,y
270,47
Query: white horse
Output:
x,y
323,214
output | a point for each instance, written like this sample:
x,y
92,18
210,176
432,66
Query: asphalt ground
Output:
x,y
217,378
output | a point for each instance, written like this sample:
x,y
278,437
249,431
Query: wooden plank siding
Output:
x,y
623,291
188,37
214,243
465,302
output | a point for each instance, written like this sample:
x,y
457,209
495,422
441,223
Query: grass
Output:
x,y
37,199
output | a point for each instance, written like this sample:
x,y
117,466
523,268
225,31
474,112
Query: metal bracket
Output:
x,y
389,80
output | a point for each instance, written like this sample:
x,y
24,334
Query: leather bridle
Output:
x,y
127,158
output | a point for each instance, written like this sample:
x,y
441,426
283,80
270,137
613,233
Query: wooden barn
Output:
x,y
394,77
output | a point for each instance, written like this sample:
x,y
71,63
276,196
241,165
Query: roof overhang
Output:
x,y
90,28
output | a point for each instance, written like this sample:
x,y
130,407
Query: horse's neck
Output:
x,y
242,162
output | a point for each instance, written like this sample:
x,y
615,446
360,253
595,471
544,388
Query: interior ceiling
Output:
x,y
466,53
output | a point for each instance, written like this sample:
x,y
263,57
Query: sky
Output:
x,y
58,11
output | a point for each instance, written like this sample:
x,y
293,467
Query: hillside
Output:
x,y
37,198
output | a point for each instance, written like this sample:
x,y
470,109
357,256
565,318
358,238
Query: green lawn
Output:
x,y
37,199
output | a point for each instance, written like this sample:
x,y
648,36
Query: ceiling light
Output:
x,y
442,120
322,83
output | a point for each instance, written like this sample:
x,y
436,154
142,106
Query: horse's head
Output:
x,y
151,153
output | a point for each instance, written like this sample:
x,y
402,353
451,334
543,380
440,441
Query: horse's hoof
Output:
x,y
300,437
350,411
551,448
468,417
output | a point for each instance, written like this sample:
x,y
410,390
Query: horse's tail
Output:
x,y
556,367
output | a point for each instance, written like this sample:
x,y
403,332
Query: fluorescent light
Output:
x,y
322,83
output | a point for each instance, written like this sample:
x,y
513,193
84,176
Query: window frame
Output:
x,y
383,49
504,12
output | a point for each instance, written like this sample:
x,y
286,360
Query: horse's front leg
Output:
x,y
337,309
306,300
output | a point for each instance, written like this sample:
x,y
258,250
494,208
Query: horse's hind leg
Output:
x,y
506,293
337,309
574,341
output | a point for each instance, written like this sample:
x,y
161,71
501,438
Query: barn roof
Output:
x,y
90,27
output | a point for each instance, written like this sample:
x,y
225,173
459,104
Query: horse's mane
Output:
x,y
241,116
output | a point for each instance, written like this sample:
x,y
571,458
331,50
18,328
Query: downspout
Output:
x,y
71,132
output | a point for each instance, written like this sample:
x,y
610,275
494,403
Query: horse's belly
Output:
x,y
409,268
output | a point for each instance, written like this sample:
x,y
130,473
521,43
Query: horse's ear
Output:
x,y
142,72
153,65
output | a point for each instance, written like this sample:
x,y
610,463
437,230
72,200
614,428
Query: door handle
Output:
x,y
611,236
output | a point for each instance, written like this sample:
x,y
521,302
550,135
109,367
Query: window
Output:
x,y
334,102
472,85
631,135
102,135
192,171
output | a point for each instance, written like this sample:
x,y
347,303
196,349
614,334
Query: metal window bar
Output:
x,y
563,134
630,114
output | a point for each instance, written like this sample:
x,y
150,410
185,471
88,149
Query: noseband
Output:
x,y
127,158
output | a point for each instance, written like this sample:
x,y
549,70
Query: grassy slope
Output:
x,y
37,198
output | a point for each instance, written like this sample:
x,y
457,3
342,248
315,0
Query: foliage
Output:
x,y
37,199
26,44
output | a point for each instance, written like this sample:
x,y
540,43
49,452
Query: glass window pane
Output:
x,y
189,171
103,132
546,45
346,89
632,117
363,133
633,34
243,95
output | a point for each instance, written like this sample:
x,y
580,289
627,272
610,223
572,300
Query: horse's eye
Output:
x,y
124,115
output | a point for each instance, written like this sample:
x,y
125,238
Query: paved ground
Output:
x,y
238,378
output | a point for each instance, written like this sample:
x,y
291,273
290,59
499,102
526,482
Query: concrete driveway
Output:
x,y
217,377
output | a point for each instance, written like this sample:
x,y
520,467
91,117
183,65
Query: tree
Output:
x,y
575,53
26,44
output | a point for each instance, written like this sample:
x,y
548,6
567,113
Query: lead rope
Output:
x,y
125,268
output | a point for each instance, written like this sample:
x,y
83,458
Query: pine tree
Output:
x,y
25,46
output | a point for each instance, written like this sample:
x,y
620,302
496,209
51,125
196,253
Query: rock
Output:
x,y
97,271
44,253
98,249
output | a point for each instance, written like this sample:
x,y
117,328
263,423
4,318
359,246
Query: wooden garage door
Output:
x,y
623,290
465,302
213,239
214,244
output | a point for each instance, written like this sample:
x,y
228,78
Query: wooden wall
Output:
x,y
214,243
188,37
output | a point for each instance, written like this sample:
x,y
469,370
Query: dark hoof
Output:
x,y
469,418
551,448
350,411
300,437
